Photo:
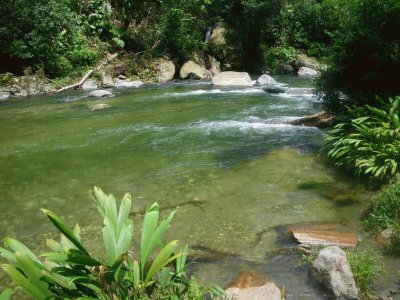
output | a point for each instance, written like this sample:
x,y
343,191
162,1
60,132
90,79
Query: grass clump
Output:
x,y
366,265
383,210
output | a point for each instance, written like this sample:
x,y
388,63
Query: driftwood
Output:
x,y
79,84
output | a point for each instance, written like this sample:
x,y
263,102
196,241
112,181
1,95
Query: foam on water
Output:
x,y
213,91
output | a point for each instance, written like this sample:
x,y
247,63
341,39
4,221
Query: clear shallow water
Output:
x,y
223,157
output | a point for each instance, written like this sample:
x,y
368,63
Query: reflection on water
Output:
x,y
223,157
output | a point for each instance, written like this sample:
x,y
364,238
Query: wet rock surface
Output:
x,y
101,94
231,78
317,237
332,270
253,285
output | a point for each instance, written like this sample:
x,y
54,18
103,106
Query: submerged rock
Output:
x,y
304,71
321,119
166,70
192,70
101,94
332,270
274,90
266,80
99,106
251,286
231,78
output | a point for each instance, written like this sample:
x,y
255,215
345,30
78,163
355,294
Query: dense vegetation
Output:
x,y
70,272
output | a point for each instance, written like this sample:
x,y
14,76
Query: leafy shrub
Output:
x,y
369,143
70,272
45,32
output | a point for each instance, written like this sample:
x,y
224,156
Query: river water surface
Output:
x,y
223,158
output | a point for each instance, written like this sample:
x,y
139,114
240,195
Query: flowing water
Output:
x,y
223,158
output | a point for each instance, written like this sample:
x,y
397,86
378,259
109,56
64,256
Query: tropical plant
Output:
x,y
369,142
70,272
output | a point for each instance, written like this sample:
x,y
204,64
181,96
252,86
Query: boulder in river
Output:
x,y
128,84
192,70
320,120
332,270
253,285
89,84
266,80
316,237
302,60
307,72
231,78
99,106
106,79
101,94
166,70
213,65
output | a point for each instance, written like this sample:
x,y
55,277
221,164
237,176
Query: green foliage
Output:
x,y
365,56
181,30
368,143
366,265
309,25
47,33
279,58
70,272
383,210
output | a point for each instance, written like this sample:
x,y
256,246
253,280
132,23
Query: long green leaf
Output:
x,y
23,282
6,294
33,271
162,259
15,245
59,224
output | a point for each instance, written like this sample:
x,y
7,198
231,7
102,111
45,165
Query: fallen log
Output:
x,y
78,85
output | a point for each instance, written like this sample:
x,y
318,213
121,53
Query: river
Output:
x,y
224,158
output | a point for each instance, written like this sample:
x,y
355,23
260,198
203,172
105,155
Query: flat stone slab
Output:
x,y
315,237
253,285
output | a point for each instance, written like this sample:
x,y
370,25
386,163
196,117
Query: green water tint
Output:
x,y
224,158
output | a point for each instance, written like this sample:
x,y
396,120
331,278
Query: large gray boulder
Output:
x,y
101,94
302,60
166,70
331,269
128,83
89,84
192,70
266,80
307,72
231,78
213,65
106,79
